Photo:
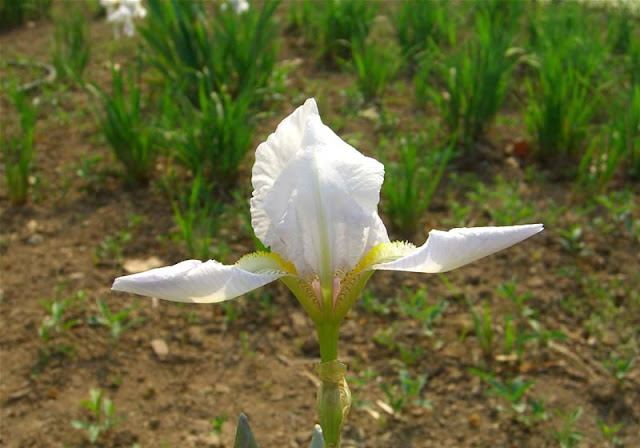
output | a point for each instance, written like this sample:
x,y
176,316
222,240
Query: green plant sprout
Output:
x,y
609,433
217,422
125,127
406,393
71,46
199,216
571,240
55,326
416,306
376,65
508,291
371,304
56,323
421,25
363,379
13,14
386,337
103,417
502,201
410,355
110,251
512,390
413,180
618,367
215,135
331,25
567,436
235,53
483,329
115,322
18,151
477,79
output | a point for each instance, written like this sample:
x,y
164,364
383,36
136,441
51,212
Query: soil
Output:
x,y
257,354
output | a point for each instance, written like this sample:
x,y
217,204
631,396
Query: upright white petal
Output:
x,y
445,251
321,209
272,157
195,281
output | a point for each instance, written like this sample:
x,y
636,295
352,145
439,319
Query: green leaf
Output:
x,y
78,424
317,440
244,436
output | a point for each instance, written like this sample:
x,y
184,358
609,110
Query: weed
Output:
x,y
619,207
483,329
609,432
215,137
90,172
542,335
13,14
406,392
217,422
412,181
560,109
361,380
375,65
56,323
386,337
571,240
508,291
103,417
18,151
618,367
115,322
477,79
110,251
232,312
603,156
567,436
371,304
416,306
561,99
410,355
422,25
55,328
625,135
199,216
245,342
503,202
71,47
123,124
330,26
512,391
236,54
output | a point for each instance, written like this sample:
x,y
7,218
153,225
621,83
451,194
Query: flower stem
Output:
x,y
328,340
331,395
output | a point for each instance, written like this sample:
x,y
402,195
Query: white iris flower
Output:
x,y
315,205
123,12
238,6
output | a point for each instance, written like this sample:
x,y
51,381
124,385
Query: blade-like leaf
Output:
x,y
317,440
244,436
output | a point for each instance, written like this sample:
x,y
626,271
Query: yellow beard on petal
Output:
x,y
383,253
265,262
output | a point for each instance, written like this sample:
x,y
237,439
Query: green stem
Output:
x,y
328,340
329,395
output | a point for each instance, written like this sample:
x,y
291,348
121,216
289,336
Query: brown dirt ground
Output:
x,y
262,361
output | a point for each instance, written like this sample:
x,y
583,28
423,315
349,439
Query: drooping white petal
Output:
x,y
195,281
320,212
445,251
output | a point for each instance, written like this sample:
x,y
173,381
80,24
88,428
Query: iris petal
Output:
x,y
445,251
197,282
